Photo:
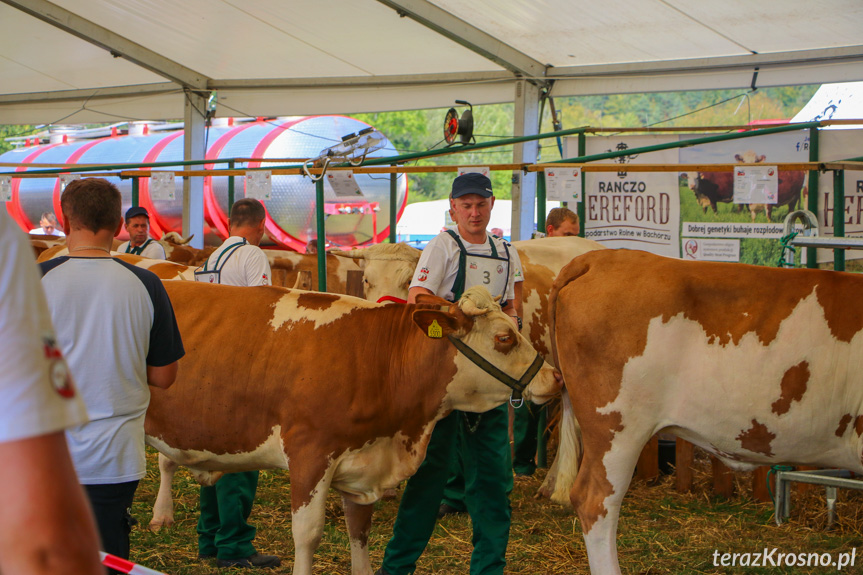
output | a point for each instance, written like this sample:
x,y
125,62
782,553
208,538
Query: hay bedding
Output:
x,y
661,531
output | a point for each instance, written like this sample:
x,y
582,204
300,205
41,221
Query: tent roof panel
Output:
x,y
233,39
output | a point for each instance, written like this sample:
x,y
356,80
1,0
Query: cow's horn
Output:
x,y
354,254
469,308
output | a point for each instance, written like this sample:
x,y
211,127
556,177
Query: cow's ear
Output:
x,y
435,324
430,299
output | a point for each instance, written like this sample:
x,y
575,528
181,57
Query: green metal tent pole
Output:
x,y
686,143
812,204
839,218
580,209
468,148
231,165
136,191
394,178
322,240
540,201
109,167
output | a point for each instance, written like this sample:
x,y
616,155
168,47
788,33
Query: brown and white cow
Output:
x,y
388,269
765,367
286,266
342,391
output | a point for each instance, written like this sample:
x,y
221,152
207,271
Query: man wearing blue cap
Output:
x,y
452,262
140,243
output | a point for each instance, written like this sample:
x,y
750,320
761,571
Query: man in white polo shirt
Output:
x,y
223,530
140,243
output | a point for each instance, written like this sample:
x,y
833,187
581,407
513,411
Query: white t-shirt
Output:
x,y
438,265
247,266
40,232
154,250
112,319
37,395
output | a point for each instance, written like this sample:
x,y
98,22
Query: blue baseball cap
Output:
x,y
136,211
471,183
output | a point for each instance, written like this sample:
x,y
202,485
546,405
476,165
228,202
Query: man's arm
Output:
x,y
162,376
415,291
46,526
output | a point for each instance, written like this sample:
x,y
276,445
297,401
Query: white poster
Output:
x,y
836,145
705,249
755,184
344,183
259,184
5,188
563,184
635,210
162,186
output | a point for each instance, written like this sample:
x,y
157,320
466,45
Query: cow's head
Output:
x,y
693,180
387,269
477,322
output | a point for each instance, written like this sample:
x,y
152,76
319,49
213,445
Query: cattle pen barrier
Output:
x,y
648,464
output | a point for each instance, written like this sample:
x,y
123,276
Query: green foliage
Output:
x,y
11,132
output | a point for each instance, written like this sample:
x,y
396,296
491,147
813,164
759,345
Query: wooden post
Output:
x,y
723,479
683,452
759,484
647,467
354,284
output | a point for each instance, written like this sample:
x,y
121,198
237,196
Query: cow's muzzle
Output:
x,y
517,385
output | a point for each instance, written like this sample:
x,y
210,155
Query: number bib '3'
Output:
x,y
491,271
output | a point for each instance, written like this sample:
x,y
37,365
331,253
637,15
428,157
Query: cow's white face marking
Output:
x,y
746,377
268,455
288,310
387,278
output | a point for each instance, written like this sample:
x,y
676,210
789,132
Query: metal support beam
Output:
x,y
193,149
469,36
524,184
117,45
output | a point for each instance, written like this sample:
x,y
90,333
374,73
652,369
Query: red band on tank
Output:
x,y
157,226
14,206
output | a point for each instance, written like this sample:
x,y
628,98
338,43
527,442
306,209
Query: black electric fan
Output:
x,y
453,126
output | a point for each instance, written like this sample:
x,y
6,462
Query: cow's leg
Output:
x,y
308,507
163,508
602,482
359,520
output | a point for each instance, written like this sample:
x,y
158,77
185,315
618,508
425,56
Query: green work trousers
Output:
x,y
484,443
525,429
225,507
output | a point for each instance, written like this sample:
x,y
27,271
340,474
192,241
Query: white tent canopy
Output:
x,y
79,61
834,102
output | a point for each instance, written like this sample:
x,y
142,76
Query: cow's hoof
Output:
x,y
157,524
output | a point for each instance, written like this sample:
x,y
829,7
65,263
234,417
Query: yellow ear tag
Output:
x,y
435,330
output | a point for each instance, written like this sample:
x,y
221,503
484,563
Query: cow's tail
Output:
x,y
561,475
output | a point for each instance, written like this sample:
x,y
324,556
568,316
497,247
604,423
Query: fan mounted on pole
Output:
x,y
461,128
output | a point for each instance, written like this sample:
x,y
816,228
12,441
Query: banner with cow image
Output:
x,y
707,198
635,210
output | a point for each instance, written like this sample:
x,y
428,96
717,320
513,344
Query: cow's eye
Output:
x,y
504,342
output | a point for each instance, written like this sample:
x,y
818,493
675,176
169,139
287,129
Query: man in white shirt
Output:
x,y
140,243
117,329
46,525
452,262
48,226
223,529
